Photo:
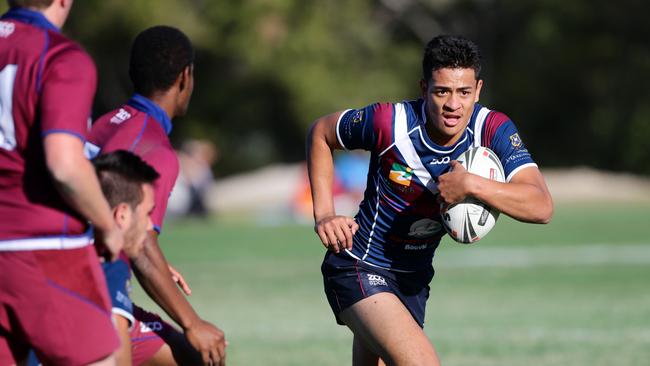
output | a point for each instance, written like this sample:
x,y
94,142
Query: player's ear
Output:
x,y
424,86
479,85
184,77
122,215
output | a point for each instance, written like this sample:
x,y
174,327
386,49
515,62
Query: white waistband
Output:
x,y
47,243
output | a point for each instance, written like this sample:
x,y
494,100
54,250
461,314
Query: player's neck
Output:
x,y
166,102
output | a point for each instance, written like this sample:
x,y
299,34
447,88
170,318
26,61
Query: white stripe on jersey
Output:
x,y
405,146
478,125
518,169
374,219
51,243
338,134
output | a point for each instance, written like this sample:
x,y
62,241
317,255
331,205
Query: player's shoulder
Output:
x,y
118,116
61,49
116,127
485,118
496,118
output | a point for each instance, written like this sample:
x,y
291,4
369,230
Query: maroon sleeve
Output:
x,y
68,89
166,164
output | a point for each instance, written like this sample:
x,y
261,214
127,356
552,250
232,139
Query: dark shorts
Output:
x,y
56,302
148,335
348,280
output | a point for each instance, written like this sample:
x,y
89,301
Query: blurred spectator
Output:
x,y
194,182
350,174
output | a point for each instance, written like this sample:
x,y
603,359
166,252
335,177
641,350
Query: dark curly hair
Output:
x,y
446,51
158,55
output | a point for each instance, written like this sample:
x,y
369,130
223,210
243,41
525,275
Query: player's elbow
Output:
x,y
544,212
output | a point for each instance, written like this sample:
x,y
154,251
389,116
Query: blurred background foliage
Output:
x,y
573,75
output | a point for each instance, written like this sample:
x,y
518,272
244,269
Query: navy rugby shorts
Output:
x,y
348,280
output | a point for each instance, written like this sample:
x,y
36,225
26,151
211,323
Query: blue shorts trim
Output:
x,y
348,281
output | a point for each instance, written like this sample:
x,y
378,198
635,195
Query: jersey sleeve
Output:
x,y
501,135
166,164
67,91
368,128
118,275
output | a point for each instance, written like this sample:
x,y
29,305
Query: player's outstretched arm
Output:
x,y
75,179
335,232
525,198
152,270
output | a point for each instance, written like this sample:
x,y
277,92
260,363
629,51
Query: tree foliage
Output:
x,y
572,75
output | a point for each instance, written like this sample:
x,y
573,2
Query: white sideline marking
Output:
x,y
555,255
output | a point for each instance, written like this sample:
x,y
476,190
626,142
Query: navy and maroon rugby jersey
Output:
x,y
399,217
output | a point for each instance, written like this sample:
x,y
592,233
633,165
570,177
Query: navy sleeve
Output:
x,y
118,276
507,144
355,129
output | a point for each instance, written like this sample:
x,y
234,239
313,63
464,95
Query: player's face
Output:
x,y
449,95
136,234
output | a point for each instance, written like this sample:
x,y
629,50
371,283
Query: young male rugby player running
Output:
x,y
161,69
376,271
53,295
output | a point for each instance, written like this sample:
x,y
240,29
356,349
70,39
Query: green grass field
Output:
x,y
575,292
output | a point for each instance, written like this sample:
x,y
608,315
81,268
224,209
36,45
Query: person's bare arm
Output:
x,y
335,231
123,354
75,179
525,198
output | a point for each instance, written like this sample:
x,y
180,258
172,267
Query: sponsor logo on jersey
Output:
x,y
146,327
6,29
376,280
401,174
441,161
424,228
515,140
415,247
358,116
121,116
123,299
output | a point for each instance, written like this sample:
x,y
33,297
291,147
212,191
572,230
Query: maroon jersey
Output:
x,y
140,126
47,84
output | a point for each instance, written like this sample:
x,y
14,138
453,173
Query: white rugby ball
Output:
x,y
470,220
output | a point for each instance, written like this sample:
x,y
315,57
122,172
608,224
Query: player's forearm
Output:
x,y
153,274
522,201
321,172
123,354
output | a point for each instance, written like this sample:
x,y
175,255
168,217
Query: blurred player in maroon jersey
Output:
x,y
161,69
53,295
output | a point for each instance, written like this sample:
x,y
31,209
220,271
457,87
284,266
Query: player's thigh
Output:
x,y
364,356
175,351
388,329
156,342
59,305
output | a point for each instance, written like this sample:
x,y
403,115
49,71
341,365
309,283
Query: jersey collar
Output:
x,y
147,106
30,17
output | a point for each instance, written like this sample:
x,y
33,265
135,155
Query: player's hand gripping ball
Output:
x,y
470,220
